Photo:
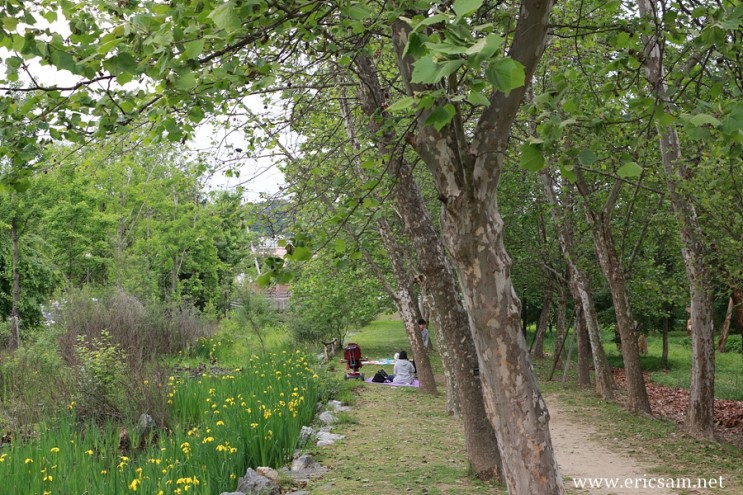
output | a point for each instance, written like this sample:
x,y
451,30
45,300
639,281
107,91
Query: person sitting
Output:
x,y
404,370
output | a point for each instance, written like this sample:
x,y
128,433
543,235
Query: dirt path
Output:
x,y
582,458
403,442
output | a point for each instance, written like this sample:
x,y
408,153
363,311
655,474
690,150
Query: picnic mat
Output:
x,y
380,362
414,384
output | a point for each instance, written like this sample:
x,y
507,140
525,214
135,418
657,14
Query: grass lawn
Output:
x,y
400,440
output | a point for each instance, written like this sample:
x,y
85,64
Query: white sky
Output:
x,y
257,176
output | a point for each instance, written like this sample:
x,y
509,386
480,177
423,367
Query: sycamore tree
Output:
x,y
464,67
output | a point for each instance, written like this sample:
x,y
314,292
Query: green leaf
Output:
x,y
506,74
701,119
186,81
415,47
441,116
532,158
301,253
587,157
10,23
466,7
427,21
340,246
401,104
264,280
568,173
477,98
359,12
63,60
486,47
448,68
192,49
734,120
425,70
118,64
629,169
21,186
226,17
447,48
622,40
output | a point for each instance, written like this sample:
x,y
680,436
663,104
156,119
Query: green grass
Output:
x,y
728,372
219,424
385,336
403,442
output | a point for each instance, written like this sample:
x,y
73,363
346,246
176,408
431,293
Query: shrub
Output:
x,y
142,332
35,382
100,384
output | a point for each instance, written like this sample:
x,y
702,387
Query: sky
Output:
x,y
258,176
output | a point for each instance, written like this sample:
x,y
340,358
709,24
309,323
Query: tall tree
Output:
x,y
466,172
700,412
580,289
197,58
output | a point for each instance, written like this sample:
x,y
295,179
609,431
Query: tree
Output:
x,y
27,275
700,413
580,289
328,301
197,57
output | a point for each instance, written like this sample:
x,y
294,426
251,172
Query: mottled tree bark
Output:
x,y
580,289
457,348
603,242
700,412
466,173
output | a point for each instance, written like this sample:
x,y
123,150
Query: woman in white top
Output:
x,y
404,371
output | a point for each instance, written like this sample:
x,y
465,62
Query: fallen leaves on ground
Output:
x,y
671,403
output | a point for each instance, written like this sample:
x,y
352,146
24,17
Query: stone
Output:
x,y
268,472
338,406
145,423
254,484
326,438
327,418
303,462
304,435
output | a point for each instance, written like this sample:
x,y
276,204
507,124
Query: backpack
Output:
x,y
380,377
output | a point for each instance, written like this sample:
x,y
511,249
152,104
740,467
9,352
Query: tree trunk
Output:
x,y
403,295
467,174
562,331
700,412
738,308
580,289
457,349
15,332
515,405
665,329
637,396
406,305
453,395
581,329
722,340
544,317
